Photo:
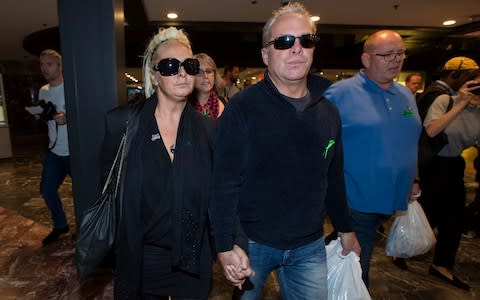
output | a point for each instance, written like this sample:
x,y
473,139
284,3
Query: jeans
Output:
x,y
365,226
301,272
55,169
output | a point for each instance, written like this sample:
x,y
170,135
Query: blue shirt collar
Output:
x,y
373,85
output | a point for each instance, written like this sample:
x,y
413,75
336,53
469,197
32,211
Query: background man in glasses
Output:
x,y
279,169
381,127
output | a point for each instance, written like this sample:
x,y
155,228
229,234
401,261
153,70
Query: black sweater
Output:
x,y
274,170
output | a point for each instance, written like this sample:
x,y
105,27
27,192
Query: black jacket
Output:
x,y
277,170
192,170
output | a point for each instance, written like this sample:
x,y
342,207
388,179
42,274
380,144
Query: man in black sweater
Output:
x,y
279,170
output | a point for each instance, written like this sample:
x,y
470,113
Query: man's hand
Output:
x,y
349,243
415,193
236,266
60,118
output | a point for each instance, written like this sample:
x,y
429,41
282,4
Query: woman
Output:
x,y
205,98
162,245
443,192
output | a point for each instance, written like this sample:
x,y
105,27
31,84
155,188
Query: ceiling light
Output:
x,y
315,18
172,15
449,22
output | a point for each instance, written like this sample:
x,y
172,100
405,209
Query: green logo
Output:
x,y
328,147
408,112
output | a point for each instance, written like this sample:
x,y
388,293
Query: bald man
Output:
x,y
381,127
413,82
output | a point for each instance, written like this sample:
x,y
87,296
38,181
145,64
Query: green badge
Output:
x,y
327,148
408,112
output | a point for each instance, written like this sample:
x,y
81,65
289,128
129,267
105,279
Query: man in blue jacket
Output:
x,y
381,127
279,169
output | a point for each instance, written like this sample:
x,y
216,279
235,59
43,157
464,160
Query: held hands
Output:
x,y
236,266
349,243
60,118
415,193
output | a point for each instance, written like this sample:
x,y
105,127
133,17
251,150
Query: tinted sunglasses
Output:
x,y
171,66
287,41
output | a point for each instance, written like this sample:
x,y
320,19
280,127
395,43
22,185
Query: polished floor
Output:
x,y
30,271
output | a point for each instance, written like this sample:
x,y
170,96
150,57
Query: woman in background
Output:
x,y
162,245
205,98
443,192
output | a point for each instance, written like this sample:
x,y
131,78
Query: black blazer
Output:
x,y
192,173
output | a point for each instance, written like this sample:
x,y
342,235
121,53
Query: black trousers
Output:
x,y
443,200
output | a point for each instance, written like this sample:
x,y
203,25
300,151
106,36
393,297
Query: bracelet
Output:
x,y
416,180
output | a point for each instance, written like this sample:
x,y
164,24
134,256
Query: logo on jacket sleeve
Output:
x,y
328,147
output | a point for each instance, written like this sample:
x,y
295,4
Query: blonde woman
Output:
x,y
162,246
205,98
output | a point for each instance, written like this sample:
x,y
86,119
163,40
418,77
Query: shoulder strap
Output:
x,y
450,104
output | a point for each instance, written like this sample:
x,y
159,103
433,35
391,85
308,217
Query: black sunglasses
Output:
x,y
287,41
171,66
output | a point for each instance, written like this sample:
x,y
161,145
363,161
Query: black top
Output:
x,y
157,192
190,193
280,171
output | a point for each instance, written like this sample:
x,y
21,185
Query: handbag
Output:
x,y
96,233
428,146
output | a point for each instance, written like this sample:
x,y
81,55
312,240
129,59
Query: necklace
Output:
x,y
172,149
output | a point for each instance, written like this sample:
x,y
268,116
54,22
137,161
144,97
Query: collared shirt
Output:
x,y
380,130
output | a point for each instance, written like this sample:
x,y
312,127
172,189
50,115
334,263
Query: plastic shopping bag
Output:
x,y
410,234
344,276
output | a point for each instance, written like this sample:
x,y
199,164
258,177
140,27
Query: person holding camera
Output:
x,y
443,193
56,164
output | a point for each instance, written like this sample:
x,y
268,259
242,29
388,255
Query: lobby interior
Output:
x,y
30,271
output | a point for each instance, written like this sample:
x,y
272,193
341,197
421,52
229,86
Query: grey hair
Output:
x,y
290,8
51,52
163,35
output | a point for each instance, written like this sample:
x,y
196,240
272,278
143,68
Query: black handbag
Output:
x,y
96,234
428,146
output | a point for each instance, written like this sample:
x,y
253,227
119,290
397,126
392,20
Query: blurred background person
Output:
x,y
205,98
413,82
56,164
162,246
442,180
231,73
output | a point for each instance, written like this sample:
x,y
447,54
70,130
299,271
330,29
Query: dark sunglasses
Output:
x,y
171,66
287,41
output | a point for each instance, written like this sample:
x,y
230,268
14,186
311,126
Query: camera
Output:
x,y
475,91
49,110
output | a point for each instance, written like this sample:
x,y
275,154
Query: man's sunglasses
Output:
x,y
171,66
287,41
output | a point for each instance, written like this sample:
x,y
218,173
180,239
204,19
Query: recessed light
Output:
x,y
315,18
449,22
172,15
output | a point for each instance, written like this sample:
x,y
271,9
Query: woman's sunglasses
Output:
x,y
287,41
171,66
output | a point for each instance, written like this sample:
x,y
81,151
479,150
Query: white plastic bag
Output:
x,y
344,274
410,234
